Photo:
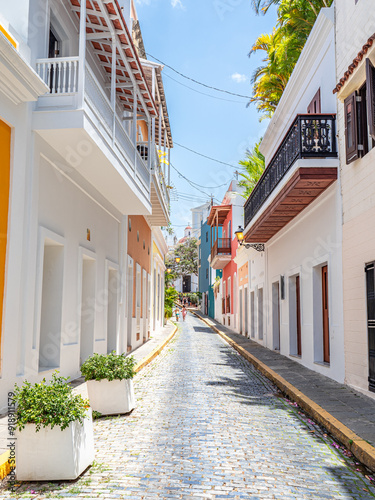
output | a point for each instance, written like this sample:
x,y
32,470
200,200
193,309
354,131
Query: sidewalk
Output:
x,y
347,414
143,355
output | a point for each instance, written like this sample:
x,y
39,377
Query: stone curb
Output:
x,y
360,448
4,464
147,360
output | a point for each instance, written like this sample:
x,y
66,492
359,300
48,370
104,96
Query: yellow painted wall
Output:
x,y
5,141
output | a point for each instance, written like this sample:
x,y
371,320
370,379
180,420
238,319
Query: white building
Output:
x,y
72,94
354,87
292,294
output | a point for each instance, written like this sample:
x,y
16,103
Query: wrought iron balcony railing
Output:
x,y
310,136
222,246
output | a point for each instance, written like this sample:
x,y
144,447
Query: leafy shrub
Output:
x,y
168,312
171,296
47,404
108,366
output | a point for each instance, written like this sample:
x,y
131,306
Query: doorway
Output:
x,y
252,315
88,307
326,346
241,313
112,343
246,307
276,315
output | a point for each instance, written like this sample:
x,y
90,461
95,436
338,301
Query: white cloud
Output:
x,y
177,3
239,78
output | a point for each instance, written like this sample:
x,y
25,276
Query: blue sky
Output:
x,y
208,41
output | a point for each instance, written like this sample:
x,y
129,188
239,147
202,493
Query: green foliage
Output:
x,y
282,48
194,297
49,404
188,253
253,168
168,312
108,366
171,296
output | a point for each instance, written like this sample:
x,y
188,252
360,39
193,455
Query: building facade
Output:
x,y
74,100
354,88
223,220
292,290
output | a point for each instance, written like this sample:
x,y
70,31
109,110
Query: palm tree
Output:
x,y
253,167
264,5
282,47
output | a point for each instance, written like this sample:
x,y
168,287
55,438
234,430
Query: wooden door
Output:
x,y
298,307
370,285
326,347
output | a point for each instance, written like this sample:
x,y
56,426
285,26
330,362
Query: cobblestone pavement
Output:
x,y
209,426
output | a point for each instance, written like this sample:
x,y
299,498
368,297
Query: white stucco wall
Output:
x,y
354,25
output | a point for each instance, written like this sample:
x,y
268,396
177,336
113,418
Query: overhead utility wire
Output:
x,y
197,82
187,180
204,156
202,93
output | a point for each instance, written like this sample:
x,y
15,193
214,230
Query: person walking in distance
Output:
x,y
177,313
184,313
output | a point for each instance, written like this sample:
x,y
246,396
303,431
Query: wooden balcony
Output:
x,y
283,192
221,253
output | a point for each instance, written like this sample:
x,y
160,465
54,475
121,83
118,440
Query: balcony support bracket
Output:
x,y
259,247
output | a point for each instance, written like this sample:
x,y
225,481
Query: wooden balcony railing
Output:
x,y
310,136
222,246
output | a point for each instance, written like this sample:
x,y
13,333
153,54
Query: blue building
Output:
x,y
206,275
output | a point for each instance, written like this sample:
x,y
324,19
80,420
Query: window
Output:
x,y
359,109
206,236
230,229
207,274
315,105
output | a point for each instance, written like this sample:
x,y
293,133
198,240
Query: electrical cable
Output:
x,y
204,156
197,82
202,93
187,180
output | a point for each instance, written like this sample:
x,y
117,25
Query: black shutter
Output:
x,y
351,128
370,89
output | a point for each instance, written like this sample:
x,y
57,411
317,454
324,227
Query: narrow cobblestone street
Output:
x,y
209,426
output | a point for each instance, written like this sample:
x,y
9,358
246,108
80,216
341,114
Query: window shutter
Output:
x,y
370,89
351,128
315,105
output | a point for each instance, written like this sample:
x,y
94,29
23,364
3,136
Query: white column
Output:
x,y
169,167
149,144
153,142
113,87
82,54
160,113
134,131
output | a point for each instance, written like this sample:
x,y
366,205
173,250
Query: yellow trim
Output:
x,y
4,465
147,360
156,250
8,37
5,144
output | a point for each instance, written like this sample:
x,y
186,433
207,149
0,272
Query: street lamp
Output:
x,y
259,247
177,259
169,271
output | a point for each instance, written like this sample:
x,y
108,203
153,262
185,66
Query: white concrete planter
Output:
x,y
111,397
53,454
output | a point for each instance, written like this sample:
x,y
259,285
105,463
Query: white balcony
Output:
x,y
90,135
159,188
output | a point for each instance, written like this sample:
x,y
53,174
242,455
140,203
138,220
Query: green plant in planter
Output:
x,y
47,404
108,366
